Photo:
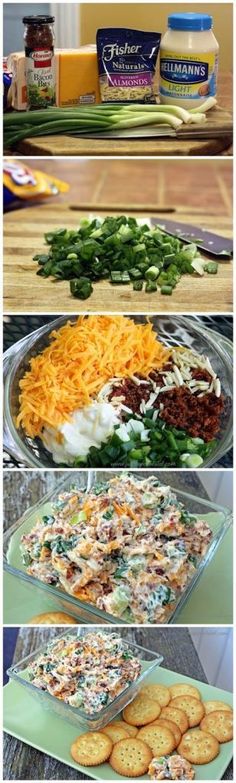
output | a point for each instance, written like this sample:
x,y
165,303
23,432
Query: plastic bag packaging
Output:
x,y
21,183
127,65
7,83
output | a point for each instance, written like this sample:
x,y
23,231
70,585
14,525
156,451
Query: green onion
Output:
x,y
85,119
208,104
177,111
163,449
135,273
198,118
142,119
120,277
136,454
77,518
150,286
121,249
81,288
152,273
194,461
211,268
166,290
39,117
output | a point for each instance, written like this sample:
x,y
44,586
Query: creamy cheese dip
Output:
x,y
90,426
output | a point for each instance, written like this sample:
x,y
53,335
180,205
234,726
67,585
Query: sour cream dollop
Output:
x,y
89,426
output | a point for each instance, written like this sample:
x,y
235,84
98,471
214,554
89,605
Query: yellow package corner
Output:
x,y
26,183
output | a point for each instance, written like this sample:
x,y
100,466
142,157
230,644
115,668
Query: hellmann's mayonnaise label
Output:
x,y
188,76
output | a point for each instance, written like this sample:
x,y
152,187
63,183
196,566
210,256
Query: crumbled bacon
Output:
x,y
157,376
133,394
202,375
200,416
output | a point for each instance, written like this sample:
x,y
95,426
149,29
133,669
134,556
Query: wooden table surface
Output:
x,y
22,762
220,119
25,291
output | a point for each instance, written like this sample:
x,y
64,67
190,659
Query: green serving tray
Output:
x,y
25,719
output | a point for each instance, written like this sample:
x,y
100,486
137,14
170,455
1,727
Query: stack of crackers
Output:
x,y
160,721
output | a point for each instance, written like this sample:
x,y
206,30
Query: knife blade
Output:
x,y
212,244
127,133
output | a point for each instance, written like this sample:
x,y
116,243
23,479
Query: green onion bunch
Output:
x,y
98,118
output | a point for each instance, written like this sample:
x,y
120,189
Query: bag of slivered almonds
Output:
x,y
127,65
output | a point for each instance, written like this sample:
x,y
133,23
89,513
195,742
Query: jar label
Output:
x,y
191,76
40,77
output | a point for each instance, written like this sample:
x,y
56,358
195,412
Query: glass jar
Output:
x,y
188,60
39,61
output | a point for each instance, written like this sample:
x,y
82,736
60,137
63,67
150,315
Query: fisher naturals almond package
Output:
x,y
127,65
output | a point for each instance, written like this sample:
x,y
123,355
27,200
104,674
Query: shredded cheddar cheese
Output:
x,y
81,358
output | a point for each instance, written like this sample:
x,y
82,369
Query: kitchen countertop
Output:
x,y
22,762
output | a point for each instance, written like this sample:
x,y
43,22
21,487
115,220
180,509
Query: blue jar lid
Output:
x,y
190,21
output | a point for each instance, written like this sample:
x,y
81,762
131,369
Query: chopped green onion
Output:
x,y
121,249
211,268
81,288
120,277
166,290
150,286
194,461
152,273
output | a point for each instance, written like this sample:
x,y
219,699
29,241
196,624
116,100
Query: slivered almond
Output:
x,y
217,387
178,375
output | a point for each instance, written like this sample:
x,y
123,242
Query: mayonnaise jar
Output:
x,y
188,60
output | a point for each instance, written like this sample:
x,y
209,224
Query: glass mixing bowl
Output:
x,y
179,330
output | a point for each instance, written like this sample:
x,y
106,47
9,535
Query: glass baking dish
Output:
x,y
171,330
218,517
149,662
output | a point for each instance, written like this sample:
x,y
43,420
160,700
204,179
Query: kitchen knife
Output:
x,y
127,133
212,244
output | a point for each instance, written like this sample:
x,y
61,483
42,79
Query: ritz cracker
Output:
x,y
188,60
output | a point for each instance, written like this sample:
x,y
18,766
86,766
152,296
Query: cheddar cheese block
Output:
x,y
77,80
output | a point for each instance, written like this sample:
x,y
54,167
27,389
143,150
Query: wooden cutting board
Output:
x,y
25,292
219,123
218,129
